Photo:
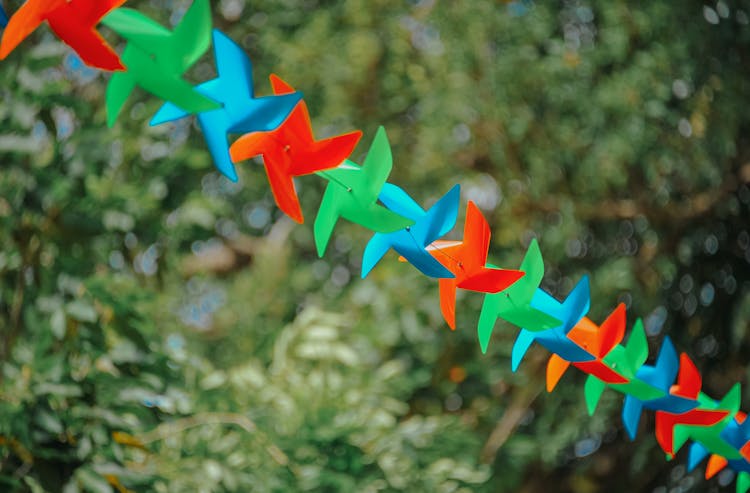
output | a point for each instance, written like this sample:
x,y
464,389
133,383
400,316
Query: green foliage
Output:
x,y
162,329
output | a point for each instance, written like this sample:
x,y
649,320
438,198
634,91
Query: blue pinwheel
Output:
x,y
411,242
241,112
661,376
556,340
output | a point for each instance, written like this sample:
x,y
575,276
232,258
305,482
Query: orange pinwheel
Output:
x,y
291,150
598,341
467,261
73,21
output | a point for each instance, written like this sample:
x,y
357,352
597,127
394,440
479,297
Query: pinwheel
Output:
x,y
73,21
240,110
412,242
467,260
352,193
514,303
291,150
156,58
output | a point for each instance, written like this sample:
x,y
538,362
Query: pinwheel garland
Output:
x,y
278,128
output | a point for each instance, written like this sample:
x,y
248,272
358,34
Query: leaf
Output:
x,y
33,485
213,380
58,323
82,311
49,422
92,482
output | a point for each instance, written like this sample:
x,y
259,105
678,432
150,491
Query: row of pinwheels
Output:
x,y
278,128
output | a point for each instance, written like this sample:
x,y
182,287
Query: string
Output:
x,y
335,180
456,261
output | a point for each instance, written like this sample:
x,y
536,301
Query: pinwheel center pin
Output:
x,y
335,180
453,259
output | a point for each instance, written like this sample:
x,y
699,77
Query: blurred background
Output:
x,y
163,329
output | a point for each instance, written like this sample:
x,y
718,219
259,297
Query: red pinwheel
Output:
x,y
598,341
73,21
467,261
704,421
291,150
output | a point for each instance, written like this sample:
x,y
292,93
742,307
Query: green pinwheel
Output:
x,y
626,360
352,193
703,425
156,58
514,304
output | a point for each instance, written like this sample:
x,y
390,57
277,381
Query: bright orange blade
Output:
x,y
715,464
24,21
556,367
448,301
